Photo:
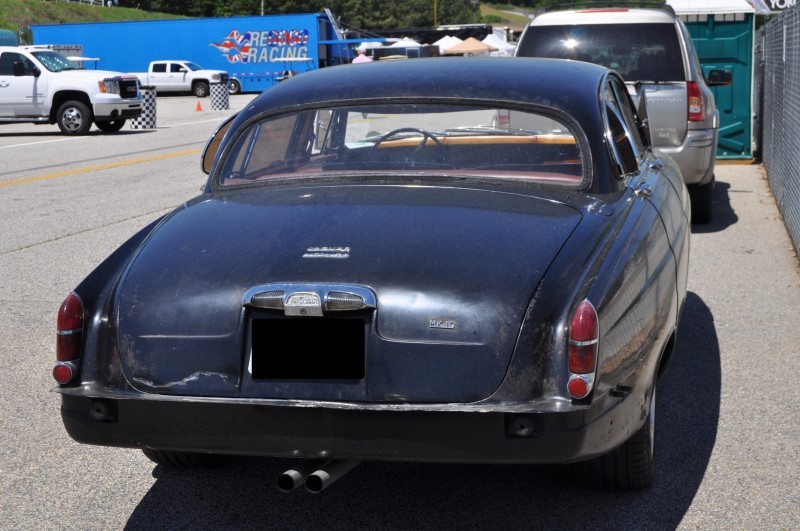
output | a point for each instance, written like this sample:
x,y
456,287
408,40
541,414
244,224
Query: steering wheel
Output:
x,y
425,136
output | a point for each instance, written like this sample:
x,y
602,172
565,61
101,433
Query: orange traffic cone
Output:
x,y
199,107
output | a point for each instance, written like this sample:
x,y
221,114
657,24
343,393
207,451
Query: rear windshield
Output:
x,y
644,52
406,141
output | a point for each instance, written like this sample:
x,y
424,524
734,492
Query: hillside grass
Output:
x,y
498,15
19,15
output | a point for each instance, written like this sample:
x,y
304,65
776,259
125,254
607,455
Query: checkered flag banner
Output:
x,y
147,120
219,97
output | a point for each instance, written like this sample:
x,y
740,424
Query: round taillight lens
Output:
x,y
578,387
63,373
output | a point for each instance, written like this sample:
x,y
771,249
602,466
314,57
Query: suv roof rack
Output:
x,y
654,4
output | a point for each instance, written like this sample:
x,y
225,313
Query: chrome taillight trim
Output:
x,y
307,300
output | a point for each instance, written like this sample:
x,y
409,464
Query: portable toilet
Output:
x,y
723,33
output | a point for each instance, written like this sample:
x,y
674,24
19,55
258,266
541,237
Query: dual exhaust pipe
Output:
x,y
315,474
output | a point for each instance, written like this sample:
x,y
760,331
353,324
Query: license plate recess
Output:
x,y
308,348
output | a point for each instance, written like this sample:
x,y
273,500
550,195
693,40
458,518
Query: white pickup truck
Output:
x,y
181,76
41,86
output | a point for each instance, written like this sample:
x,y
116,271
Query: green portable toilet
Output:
x,y
8,38
723,32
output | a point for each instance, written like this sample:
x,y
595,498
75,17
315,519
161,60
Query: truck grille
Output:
x,y
128,88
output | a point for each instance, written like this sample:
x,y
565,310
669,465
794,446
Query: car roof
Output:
x,y
567,85
603,15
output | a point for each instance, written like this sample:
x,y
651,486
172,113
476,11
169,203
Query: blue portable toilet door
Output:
x,y
726,41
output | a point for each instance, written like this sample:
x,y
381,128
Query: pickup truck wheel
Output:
x,y
629,467
110,126
74,118
200,89
172,459
234,87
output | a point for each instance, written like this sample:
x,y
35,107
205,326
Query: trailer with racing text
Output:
x,y
256,51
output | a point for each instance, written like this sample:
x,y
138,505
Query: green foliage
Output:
x,y
18,15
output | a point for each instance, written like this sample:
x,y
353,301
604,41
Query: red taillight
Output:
x,y
63,373
695,98
503,118
579,386
584,332
69,328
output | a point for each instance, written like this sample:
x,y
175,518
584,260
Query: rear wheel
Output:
x,y
74,118
172,459
701,198
234,87
629,467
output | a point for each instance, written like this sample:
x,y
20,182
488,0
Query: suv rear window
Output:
x,y
646,52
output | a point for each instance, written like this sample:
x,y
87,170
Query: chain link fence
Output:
x,y
777,97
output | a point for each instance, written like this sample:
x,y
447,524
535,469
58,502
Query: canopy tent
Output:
x,y
405,42
448,41
471,46
503,48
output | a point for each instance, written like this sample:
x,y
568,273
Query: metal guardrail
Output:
x,y
777,100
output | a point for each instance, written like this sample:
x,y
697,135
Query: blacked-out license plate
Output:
x,y
308,348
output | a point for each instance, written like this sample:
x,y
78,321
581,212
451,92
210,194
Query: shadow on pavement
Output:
x,y
723,213
240,492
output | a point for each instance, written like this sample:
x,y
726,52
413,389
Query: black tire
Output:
x,y
200,89
701,198
111,126
234,87
172,459
74,118
629,467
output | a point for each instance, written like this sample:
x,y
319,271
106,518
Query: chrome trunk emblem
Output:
x,y
304,303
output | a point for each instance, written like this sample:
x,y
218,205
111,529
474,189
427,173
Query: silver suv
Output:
x,y
653,51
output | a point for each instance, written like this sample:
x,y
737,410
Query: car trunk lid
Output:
x,y
452,271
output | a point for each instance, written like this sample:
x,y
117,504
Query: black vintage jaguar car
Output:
x,y
382,268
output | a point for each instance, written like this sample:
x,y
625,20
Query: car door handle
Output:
x,y
643,189
3,83
656,164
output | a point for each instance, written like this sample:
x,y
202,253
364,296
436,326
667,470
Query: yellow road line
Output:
x,y
101,167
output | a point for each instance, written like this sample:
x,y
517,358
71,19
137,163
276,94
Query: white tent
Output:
x,y
503,48
448,41
719,7
369,45
405,42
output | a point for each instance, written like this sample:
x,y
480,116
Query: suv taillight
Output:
x,y
68,340
503,118
695,98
